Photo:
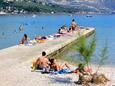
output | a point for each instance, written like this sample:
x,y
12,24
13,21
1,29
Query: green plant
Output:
x,y
85,49
103,56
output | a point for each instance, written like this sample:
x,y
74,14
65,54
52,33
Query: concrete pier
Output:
x,y
15,62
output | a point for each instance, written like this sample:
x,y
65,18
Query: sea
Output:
x,y
42,25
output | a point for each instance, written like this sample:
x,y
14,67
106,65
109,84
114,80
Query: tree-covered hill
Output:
x,y
56,6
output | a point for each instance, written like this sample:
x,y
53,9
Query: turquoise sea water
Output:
x,y
49,24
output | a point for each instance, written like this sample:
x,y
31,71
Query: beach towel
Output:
x,y
42,70
50,37
57,35
40,41
62,71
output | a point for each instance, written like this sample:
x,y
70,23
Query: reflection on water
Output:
x,y
49,24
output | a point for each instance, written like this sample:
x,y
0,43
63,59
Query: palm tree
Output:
x,y
85,49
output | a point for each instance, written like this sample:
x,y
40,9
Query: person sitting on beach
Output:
x,y
42,62
74,25
24,39
59,68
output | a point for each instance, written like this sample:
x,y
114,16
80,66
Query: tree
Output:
x,y
103,56
85,49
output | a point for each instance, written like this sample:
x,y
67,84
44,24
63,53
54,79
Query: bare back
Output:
x,y
44,61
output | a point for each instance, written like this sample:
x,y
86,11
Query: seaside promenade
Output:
x,y
15,62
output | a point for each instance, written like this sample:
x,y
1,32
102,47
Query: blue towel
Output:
x,y
62,71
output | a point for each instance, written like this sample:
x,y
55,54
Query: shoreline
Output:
x,y
54,14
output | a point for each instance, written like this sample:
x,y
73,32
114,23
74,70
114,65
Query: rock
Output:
x,y
95,78
99,79
85,80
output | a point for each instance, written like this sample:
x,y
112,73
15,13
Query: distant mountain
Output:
x,y
110,4
96,4
69,6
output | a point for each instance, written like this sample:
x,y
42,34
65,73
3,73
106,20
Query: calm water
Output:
x,y
45,25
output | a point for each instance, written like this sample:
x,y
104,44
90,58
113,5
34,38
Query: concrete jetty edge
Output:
x,y
69,43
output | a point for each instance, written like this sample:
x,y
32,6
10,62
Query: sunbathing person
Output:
x,y
42,62
59,68
62,30
81,70
24,39
40,39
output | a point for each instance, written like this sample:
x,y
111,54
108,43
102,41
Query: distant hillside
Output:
x,y
98,5
57,6
110,4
